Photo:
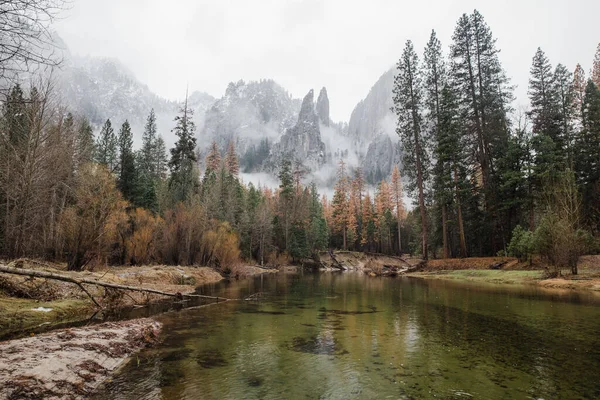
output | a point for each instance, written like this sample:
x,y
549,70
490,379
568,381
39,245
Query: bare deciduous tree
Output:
x,y
26,41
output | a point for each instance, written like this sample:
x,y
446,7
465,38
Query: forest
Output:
x,y
486,179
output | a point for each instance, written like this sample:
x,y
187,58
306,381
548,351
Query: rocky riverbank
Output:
x,y
71,363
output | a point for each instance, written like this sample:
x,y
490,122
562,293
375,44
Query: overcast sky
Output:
x,y
344,45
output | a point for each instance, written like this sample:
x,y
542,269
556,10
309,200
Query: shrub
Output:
x,y
521,244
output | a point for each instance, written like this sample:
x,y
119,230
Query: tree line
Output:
x,y
487,179
481,170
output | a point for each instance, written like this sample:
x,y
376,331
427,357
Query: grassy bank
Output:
x,y
487,276
511,271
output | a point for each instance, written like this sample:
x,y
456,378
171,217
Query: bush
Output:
x,y
560,243
521,244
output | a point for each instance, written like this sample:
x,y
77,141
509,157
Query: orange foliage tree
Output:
x,y
88,227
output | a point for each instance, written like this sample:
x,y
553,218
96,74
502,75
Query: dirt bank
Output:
x,y
70,363
366,262
27,303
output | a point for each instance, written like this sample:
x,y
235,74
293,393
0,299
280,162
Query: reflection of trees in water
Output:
x,y
344,335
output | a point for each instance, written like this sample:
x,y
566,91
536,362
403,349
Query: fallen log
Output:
x,y
81,281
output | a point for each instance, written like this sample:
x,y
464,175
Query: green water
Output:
x,y
346,336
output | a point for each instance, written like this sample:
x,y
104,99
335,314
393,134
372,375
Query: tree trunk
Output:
x,y
445,231
399,237
461,228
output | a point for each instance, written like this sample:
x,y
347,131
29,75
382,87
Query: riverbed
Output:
x,y
345,336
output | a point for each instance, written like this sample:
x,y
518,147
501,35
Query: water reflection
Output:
x,y
340,336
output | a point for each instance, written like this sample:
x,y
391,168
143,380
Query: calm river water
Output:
x,y
348,336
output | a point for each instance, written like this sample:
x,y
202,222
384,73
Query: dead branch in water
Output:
x,y
80,282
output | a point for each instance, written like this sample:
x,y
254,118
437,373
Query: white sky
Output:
x,y
344,45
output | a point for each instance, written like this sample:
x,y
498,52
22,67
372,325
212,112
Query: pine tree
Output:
x,y
483,88
408,107
453,186
596,67
434,72
127,179
298,242
84,142
544,113
341,208
286,198
15,116
357,188
368,220
564,92
231,161
319,233
106,147
213,159
587,163
183,181
161,158
383,209
148,152
484,96
579,87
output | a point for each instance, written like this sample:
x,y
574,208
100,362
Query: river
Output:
x,y
348,336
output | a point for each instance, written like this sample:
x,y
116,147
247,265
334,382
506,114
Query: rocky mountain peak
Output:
x,y
323,107
307,114
302,143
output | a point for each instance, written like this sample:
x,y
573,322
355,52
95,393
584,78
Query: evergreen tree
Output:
x,y
483,94
183,180
318,238
127,178
149,148
587,163
298,243
368,220
408,92
231,160
161,158
384,219
84,142
15,116
434,72
548,143
596,67
286,197
435,78
213,159
564,92
578,88
342,215
106,147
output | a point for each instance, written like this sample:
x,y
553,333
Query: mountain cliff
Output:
x,y
372,126
253,115
302,143
263,120
102,88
